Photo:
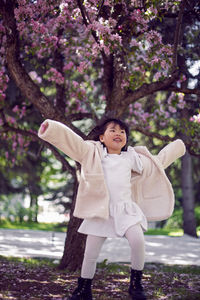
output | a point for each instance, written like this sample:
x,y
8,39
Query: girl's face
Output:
x,y
114,138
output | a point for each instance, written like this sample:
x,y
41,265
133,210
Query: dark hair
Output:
x,y
101,127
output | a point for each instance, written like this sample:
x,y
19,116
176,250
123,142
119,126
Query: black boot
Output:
x,y
136,288
83,291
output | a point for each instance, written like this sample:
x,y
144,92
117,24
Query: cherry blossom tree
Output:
x,y
75,60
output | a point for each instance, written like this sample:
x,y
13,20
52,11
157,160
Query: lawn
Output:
x,y
60,227
36,279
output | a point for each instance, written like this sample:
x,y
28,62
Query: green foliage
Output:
x,y
15,210
197,215
176,220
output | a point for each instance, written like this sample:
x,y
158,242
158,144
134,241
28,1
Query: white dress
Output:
x,y
124,212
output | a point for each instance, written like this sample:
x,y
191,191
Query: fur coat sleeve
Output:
x,y
63,138
152,191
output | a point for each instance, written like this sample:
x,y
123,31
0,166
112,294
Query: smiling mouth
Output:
x,y
117,140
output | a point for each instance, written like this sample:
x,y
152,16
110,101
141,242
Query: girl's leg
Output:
x,y
135,237
92,249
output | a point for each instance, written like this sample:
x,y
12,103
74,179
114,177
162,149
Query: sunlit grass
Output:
x,y
33,226
163,231
167,231
62,227
31,262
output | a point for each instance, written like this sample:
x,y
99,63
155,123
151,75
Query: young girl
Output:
x,y
120,189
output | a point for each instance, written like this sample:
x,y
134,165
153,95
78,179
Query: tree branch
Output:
x,y
60,88
81,116
177,35
100,7
189,145
184,90
86,19
148,133
64,162
147,89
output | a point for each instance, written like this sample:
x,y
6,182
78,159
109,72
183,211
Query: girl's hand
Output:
x,y
44,127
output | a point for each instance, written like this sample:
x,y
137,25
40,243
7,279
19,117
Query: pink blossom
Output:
x,y
155,60
14,146
75,84
35,77
20,141
163,124
23,112
195,118
157,75
55,76
134,43
68,66
16,109
137,105
82,66
172,109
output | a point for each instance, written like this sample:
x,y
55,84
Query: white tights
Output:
x,y
93,246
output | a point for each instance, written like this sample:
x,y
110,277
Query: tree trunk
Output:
x,y
75,242
33,216
189,222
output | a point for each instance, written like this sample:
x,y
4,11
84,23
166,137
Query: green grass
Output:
x,y
34,226
163,231
61,227
31,262
168,231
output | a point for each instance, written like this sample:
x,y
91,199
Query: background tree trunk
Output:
x,y
189,223
74,242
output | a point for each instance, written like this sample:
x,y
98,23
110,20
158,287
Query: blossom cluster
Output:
x,y
176,101
195,118
54,75
163,111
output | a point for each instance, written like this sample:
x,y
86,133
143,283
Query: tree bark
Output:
x,y
74,242
189,222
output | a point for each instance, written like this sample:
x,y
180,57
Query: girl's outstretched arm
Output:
x,y
63,138
171,152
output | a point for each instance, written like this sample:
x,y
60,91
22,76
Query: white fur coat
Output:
x,y
151,190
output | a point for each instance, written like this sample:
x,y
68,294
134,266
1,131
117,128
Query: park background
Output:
x,y
76,62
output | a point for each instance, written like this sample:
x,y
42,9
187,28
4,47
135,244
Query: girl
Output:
x,y
120,189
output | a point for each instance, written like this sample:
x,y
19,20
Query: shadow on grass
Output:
x,y
38,279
